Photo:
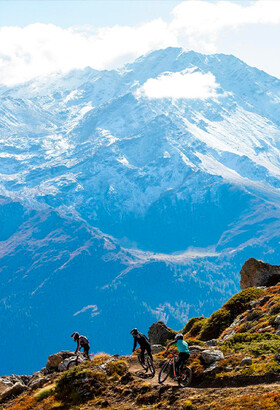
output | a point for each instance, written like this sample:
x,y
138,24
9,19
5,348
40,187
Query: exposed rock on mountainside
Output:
x,y
159,333
258,273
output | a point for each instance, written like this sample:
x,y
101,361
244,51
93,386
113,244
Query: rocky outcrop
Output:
x,y
257,273
211,356
12,391
159,333
55,359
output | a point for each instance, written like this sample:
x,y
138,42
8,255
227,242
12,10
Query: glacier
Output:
x,y
118,209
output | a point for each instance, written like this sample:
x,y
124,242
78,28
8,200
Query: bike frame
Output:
x,y
172,361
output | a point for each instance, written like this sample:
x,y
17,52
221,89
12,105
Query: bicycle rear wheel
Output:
x,y
72,364
185,377
164,372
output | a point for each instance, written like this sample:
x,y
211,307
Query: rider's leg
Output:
x,y
180,362
86,350
148,348
142,353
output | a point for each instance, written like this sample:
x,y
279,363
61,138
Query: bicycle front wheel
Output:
x,y
186,377
143,364
164,372
150,365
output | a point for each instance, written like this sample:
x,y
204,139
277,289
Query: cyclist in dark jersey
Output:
x,y
82,342
184,352
143,342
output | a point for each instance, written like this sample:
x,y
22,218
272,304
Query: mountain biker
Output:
x,y
143,342
184,352
82,342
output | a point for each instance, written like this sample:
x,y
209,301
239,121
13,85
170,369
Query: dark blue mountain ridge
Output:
x,y
118,209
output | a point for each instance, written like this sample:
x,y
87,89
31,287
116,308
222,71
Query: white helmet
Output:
x,y
179,336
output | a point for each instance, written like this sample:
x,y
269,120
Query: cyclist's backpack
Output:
x,y
83,340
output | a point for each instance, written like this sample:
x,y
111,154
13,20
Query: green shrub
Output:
x,y
241,301
216,324
116,367
191,323
79,385
187,405
255,343
44,392
224,317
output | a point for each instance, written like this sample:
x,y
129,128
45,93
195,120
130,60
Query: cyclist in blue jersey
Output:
x,y
183,349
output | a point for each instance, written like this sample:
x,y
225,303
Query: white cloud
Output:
x,y
39,49
198,23
190,85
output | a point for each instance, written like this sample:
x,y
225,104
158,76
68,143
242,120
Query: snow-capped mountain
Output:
x,y
119,207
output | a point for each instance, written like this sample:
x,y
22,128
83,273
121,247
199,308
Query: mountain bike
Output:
x,y
148,363
75,360
169,369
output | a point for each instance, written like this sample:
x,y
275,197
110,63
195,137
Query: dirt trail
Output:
x,y
203,397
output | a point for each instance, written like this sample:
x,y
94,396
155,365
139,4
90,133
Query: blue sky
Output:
x,y
41,37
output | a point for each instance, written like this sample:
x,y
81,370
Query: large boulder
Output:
x,y
211,356
4,384
13,391
55,359
159,333
257,273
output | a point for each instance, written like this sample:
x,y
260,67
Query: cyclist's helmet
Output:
x,y
179,336
134,331
75,336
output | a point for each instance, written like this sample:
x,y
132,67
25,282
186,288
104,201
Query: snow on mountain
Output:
x,y
117,196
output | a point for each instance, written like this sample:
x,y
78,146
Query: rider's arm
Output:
x,y
170,344
78,346
135,343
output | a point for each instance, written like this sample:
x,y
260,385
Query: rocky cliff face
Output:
x,y
258,273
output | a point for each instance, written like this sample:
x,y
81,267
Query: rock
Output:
x,y
4,384
247,361
211,369
55,359
159,333
35,384
254,304
277,320
64,364
277,357
228,368
212,342
196,349
264,299
257,273
13,391
157,348
211,356
266,329
278,333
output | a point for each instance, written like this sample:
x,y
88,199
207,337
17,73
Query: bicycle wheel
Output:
x,y
185,377
72,364
150,365
143,364
164,372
